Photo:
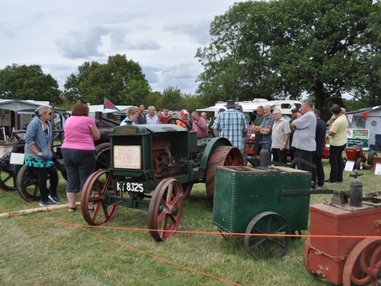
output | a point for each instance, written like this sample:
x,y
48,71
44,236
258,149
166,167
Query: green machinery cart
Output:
x,y
266,204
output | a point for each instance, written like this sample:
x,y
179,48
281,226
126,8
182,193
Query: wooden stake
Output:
x,y
35,210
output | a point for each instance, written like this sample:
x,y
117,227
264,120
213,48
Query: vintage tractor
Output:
x,y
153,168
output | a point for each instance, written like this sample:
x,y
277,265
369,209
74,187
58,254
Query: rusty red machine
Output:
x,y
344,246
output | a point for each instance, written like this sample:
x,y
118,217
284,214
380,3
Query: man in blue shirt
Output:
x,y
231,124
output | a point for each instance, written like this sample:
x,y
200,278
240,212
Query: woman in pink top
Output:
x,y
78,150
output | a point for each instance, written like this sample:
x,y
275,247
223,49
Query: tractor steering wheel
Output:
x,y
179,119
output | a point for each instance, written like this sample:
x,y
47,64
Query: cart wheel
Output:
x,y
359,165
94,204
267,247
186,189
103,156
371,155
8,180
306,260
165,209
27,184
363,265
221,156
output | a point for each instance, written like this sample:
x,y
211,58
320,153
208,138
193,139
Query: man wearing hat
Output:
x,y
183,115
239,108
231,124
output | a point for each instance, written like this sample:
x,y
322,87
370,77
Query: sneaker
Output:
x,y
54,199
48,203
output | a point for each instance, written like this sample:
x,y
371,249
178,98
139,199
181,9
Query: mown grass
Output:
x,y
59,248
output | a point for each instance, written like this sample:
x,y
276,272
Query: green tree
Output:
x,y
120,80
28,82
287,48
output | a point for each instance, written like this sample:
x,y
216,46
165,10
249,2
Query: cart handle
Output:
x,y
293,192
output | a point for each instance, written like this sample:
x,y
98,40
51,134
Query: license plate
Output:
x,y
123,186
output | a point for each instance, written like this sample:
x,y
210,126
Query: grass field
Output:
x,y
59,248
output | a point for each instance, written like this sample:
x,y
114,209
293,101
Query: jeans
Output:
x,y
267,138
318,173
336,162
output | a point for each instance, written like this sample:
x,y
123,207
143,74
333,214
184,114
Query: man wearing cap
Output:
x,y
266,127
184,115
231,124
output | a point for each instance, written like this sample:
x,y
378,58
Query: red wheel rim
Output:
x,y
221,156
363,265
96,188
165,209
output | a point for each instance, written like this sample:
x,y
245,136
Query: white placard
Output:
x,y
127,157
349,165
377,169
17,159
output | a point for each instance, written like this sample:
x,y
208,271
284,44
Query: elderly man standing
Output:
x,y
338,132
199,125
266,127
279,137
231,124
304,136
151,117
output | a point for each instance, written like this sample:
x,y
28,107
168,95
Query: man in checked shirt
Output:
x,y
231,124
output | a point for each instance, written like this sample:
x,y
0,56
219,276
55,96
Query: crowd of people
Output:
x,y
302,137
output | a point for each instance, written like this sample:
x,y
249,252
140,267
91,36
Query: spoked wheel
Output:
x,y
306,260
363,265
27,184
165,209
8,180
221,156
186,189
267,247
103,156
94,204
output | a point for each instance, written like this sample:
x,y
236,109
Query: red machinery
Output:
x,y
344,246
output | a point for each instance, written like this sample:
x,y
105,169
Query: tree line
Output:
x,y
286,49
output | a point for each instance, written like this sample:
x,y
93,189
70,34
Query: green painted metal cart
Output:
x,y
267,204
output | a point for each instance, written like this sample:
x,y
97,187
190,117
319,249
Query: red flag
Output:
x,y
365,114
109,105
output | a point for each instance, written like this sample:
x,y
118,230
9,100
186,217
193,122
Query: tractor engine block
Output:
x,y
164,163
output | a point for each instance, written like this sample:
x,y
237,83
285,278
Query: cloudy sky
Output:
x,y
161,35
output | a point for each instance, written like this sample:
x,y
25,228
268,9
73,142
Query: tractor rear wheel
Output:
x,y
221,156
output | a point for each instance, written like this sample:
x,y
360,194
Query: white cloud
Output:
x,y
162,36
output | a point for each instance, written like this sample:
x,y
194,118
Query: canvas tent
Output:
x,y
370,119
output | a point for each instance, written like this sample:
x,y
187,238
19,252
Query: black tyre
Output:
x,y
27,184
371,155
359,164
